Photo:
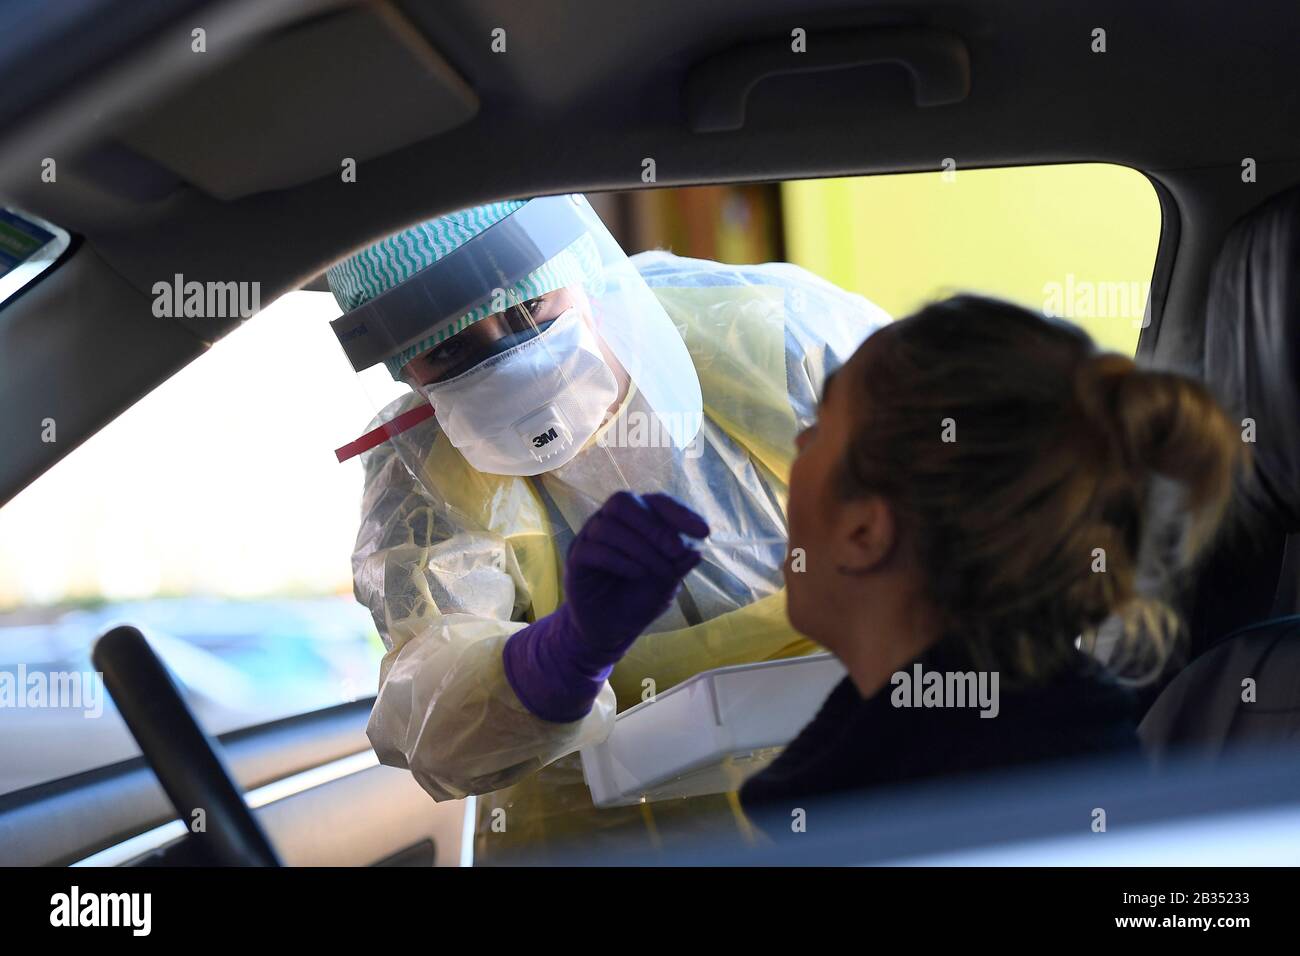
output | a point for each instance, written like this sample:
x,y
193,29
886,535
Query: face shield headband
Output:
x,y
470,276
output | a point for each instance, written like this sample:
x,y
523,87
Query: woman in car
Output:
x,y
986,510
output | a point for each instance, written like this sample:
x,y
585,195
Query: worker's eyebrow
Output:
x,y
826,385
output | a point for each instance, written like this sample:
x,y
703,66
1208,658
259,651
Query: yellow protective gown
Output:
x,y
451,561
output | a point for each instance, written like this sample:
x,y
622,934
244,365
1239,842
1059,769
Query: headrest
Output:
x,y
1252,348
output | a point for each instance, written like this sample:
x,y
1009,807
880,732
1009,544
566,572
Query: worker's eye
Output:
x,y
533,310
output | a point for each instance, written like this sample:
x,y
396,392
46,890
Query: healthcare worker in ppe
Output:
x,y
592,511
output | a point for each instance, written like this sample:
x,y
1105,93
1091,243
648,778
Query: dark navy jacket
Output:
x,y
856,744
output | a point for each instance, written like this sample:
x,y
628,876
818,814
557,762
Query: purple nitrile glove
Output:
x,y
622,572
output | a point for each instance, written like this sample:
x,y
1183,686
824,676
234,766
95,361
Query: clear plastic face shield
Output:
x,y
541,351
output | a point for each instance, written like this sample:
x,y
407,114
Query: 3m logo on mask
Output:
x,y
546,432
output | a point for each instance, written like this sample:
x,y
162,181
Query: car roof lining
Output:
x,y
583,94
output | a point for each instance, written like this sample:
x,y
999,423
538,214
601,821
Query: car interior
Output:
x,y
206,138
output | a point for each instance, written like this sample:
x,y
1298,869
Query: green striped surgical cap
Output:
x,y
376,269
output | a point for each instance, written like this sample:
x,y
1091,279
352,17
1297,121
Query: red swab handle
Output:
x,y
372,439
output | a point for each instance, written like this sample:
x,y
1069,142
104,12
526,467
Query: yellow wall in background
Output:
x,y
1077,241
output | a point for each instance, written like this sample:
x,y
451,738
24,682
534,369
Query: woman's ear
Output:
x,y
867,535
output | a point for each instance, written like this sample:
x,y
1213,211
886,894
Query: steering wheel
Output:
x,y
182,756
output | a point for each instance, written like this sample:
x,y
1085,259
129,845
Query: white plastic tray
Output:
x,y
709,732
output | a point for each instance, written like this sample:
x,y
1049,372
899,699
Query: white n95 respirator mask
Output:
x,y
531,408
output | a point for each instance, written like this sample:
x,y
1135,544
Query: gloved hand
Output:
x,y
622,572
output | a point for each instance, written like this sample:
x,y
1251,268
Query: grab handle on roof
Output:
x,y
718,89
